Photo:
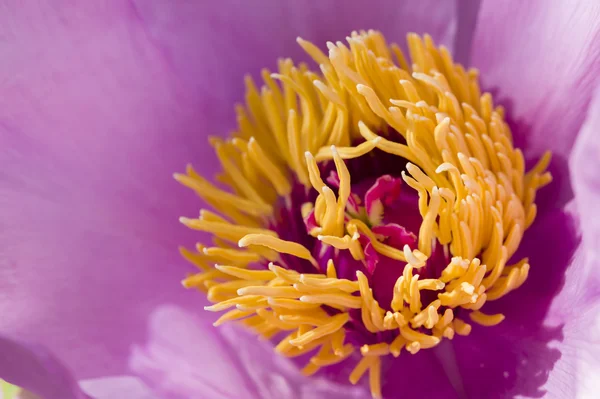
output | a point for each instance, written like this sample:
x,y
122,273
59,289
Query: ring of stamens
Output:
x,y
475,200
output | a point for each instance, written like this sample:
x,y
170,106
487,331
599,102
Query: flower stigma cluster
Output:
x,y
365,209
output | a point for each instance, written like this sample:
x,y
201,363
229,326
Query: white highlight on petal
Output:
x,y
123,386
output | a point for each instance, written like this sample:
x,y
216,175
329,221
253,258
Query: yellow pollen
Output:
x,y
475,199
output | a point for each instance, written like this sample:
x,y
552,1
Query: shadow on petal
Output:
x,y
560,191
34,368
516,357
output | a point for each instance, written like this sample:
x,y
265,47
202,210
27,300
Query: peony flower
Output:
x,y
383,216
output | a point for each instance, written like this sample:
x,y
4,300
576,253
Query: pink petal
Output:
x,y
578,304
34,368
185,357
88,110
384,191
395,235
224,40
585,164
541,58
118,387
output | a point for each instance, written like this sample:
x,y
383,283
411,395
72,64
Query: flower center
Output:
x,y
367,209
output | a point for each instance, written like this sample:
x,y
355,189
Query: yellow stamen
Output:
x,y
208,191
292,304
329,359
344,300
234,314
375,350
281,246
332,326
330,283
198,280
375,378
233,302
225,230
424,339
486,320
310,369
326,153
361,368
245,273
232,255
276,292
461,328
331,272
269,168
304,319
